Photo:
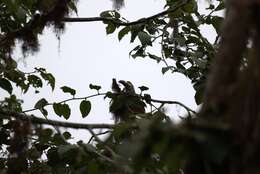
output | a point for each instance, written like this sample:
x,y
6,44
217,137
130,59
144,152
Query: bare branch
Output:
x,y
102,133
173,102
101,142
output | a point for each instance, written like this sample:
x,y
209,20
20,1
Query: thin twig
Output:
x,y
101,142
173,102
67,100
102,133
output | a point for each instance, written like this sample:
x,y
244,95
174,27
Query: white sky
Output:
x,y
87,55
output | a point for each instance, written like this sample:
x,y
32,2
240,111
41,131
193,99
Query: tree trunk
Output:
x,y
233,93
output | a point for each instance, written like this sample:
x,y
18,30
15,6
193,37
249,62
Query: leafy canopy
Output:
x,y
147,142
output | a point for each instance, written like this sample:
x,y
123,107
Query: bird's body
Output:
x,y
125,104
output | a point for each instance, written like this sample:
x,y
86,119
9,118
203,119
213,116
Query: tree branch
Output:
x,y
102,94
120,23
37,120
29,27
67,100
102,143
173,102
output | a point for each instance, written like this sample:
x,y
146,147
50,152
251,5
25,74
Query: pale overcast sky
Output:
x,y
87,55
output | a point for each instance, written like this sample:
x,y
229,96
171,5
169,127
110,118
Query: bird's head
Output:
x,y
128,87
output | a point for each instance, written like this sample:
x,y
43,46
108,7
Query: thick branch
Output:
x,y
37,120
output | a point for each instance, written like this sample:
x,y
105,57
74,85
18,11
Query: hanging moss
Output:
x,y
45,14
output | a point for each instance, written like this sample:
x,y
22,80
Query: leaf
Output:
x,y
192,39
57,107
66,135
180,66
221,6
62,110
35,81
191,7
157,58
45,135
73,7
110,28
216,22
165,69
49,78
41,146
58,139
143,88
145,38
181,40
140,52
135,29
41,103
211,7
123,32
6,85
200,62
85,107
199,96
66,111
167,51
109,95
67,89
96,87
43,111
151,28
